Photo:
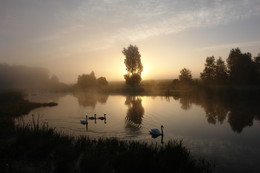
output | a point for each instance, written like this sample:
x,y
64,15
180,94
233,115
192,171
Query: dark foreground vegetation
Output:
x,y
37,148
43,150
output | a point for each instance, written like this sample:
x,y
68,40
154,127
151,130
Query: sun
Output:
x,y
144,74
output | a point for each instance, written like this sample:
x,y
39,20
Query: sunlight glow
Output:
x,y
145,72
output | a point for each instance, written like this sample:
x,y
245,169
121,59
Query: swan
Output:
x,y
93,118
84,122
103,118
156,132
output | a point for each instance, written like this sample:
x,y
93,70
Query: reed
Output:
x,y
35,148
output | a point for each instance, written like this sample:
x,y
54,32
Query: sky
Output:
x,y
73,37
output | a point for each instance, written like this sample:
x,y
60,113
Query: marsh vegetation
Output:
x,y
36,147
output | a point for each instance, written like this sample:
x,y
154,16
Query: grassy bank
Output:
x,y
12,104
43,150
168,88
37,148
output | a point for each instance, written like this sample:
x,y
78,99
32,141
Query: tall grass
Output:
x,y
38,148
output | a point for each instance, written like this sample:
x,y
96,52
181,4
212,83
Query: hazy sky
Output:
x,y
72,37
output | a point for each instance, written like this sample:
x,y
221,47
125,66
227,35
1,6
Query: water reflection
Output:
x,y
134,115
90,99
238,113
185,103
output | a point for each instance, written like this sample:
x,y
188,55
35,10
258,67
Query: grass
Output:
x,y
37,148
34,149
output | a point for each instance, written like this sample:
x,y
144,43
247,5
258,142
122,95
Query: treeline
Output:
x,y
89,81
17,77
239,69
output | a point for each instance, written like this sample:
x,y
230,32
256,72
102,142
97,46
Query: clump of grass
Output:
x,y
38,148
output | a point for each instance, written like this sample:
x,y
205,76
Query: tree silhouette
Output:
x,y
221,75
185,76
102,82
257,67
133,65
241,67
87,81
208,74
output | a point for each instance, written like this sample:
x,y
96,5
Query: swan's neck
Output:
x,y
162,130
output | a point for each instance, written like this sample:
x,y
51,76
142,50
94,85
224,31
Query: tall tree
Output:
x,y
185,76
133,65
87,81
221,75
208,74
241,67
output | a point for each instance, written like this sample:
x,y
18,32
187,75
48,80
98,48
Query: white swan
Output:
x,y
156,132
84,122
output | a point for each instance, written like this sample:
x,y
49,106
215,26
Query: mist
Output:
x,y
18,77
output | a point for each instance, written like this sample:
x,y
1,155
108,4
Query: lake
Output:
x,y
224,132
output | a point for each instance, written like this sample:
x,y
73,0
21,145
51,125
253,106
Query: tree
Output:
x,y
87,81
102,82
221,75
208,74
241,67
133,65
185,76
257,67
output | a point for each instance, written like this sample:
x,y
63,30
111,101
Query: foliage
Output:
x,y
241,67
133,65
43,150
37,148
185,75
133,79
257,67
215,72
221,75
89,81
102,82
208,74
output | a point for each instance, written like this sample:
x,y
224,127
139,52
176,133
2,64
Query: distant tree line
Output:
x,y
239,69
17,77
89,81
24,77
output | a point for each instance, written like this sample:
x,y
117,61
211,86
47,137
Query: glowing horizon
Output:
x,y
71,38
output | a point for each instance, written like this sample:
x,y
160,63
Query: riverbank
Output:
x,y
169,88
38,148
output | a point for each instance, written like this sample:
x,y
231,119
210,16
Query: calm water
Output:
x,y
226,133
